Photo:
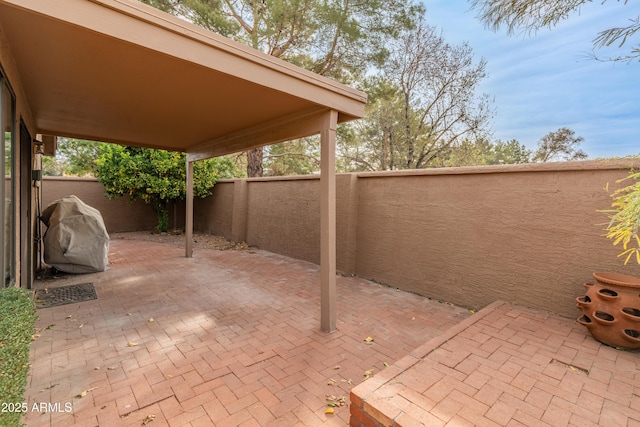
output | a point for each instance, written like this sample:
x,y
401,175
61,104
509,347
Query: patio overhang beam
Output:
x,y
310,122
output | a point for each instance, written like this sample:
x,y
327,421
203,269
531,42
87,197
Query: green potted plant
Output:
x,y
611,306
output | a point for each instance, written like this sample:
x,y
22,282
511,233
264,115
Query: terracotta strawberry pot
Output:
x,y
611,310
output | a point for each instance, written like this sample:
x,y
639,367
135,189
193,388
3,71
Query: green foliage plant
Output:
x,y
625,218
17,318
156,177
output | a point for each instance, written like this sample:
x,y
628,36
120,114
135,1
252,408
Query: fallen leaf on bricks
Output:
x,y
368,373
329,411
83,393
132,344
148,419
368,340
331,381
336,401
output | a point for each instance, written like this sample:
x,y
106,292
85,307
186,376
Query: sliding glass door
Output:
x,y
8,190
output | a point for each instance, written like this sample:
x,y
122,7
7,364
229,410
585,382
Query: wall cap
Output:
x,y
69,178
583,165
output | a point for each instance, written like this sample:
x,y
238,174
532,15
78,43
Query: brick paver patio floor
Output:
x,y
227,338
505,366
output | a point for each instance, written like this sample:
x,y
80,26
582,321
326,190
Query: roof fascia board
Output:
x,y
293,126
137,23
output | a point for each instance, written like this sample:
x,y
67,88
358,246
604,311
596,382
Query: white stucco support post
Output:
x,y
328,222
189,211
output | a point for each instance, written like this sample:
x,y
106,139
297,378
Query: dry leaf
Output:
x,y
331,381
368,340
329,411
132,344
81,325
83,393
336,401
337,367
368,373
148,419
151,319
385,363
69,316
111,368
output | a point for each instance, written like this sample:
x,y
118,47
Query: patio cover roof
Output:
x,y
121,71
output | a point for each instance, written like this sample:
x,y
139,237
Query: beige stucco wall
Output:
x,y
528,234
216,220
118,215
281,215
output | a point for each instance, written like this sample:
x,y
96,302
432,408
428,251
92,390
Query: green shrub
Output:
x,y
17,318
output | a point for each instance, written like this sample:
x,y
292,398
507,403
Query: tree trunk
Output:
x,y
254,162
385,148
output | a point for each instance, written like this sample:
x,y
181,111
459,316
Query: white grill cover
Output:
x,y
76,240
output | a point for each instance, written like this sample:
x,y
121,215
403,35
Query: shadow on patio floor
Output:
x,y
226,338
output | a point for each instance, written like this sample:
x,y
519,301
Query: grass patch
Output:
x,y
17,319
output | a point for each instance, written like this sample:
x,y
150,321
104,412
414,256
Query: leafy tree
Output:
x,y
78,155
52,167
532,15
298,157
466,153
369,145
428,102
510,152
484,152
74,157
334,38
156,177
559,145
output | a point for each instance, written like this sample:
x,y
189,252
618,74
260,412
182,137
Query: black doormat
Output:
x,y
52,297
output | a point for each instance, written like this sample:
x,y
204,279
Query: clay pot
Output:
x,y
611,310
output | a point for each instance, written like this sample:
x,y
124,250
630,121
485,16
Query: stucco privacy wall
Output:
x,y
527,234
281,214
118,215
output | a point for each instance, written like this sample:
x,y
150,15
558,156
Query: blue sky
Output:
x,y
547,80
